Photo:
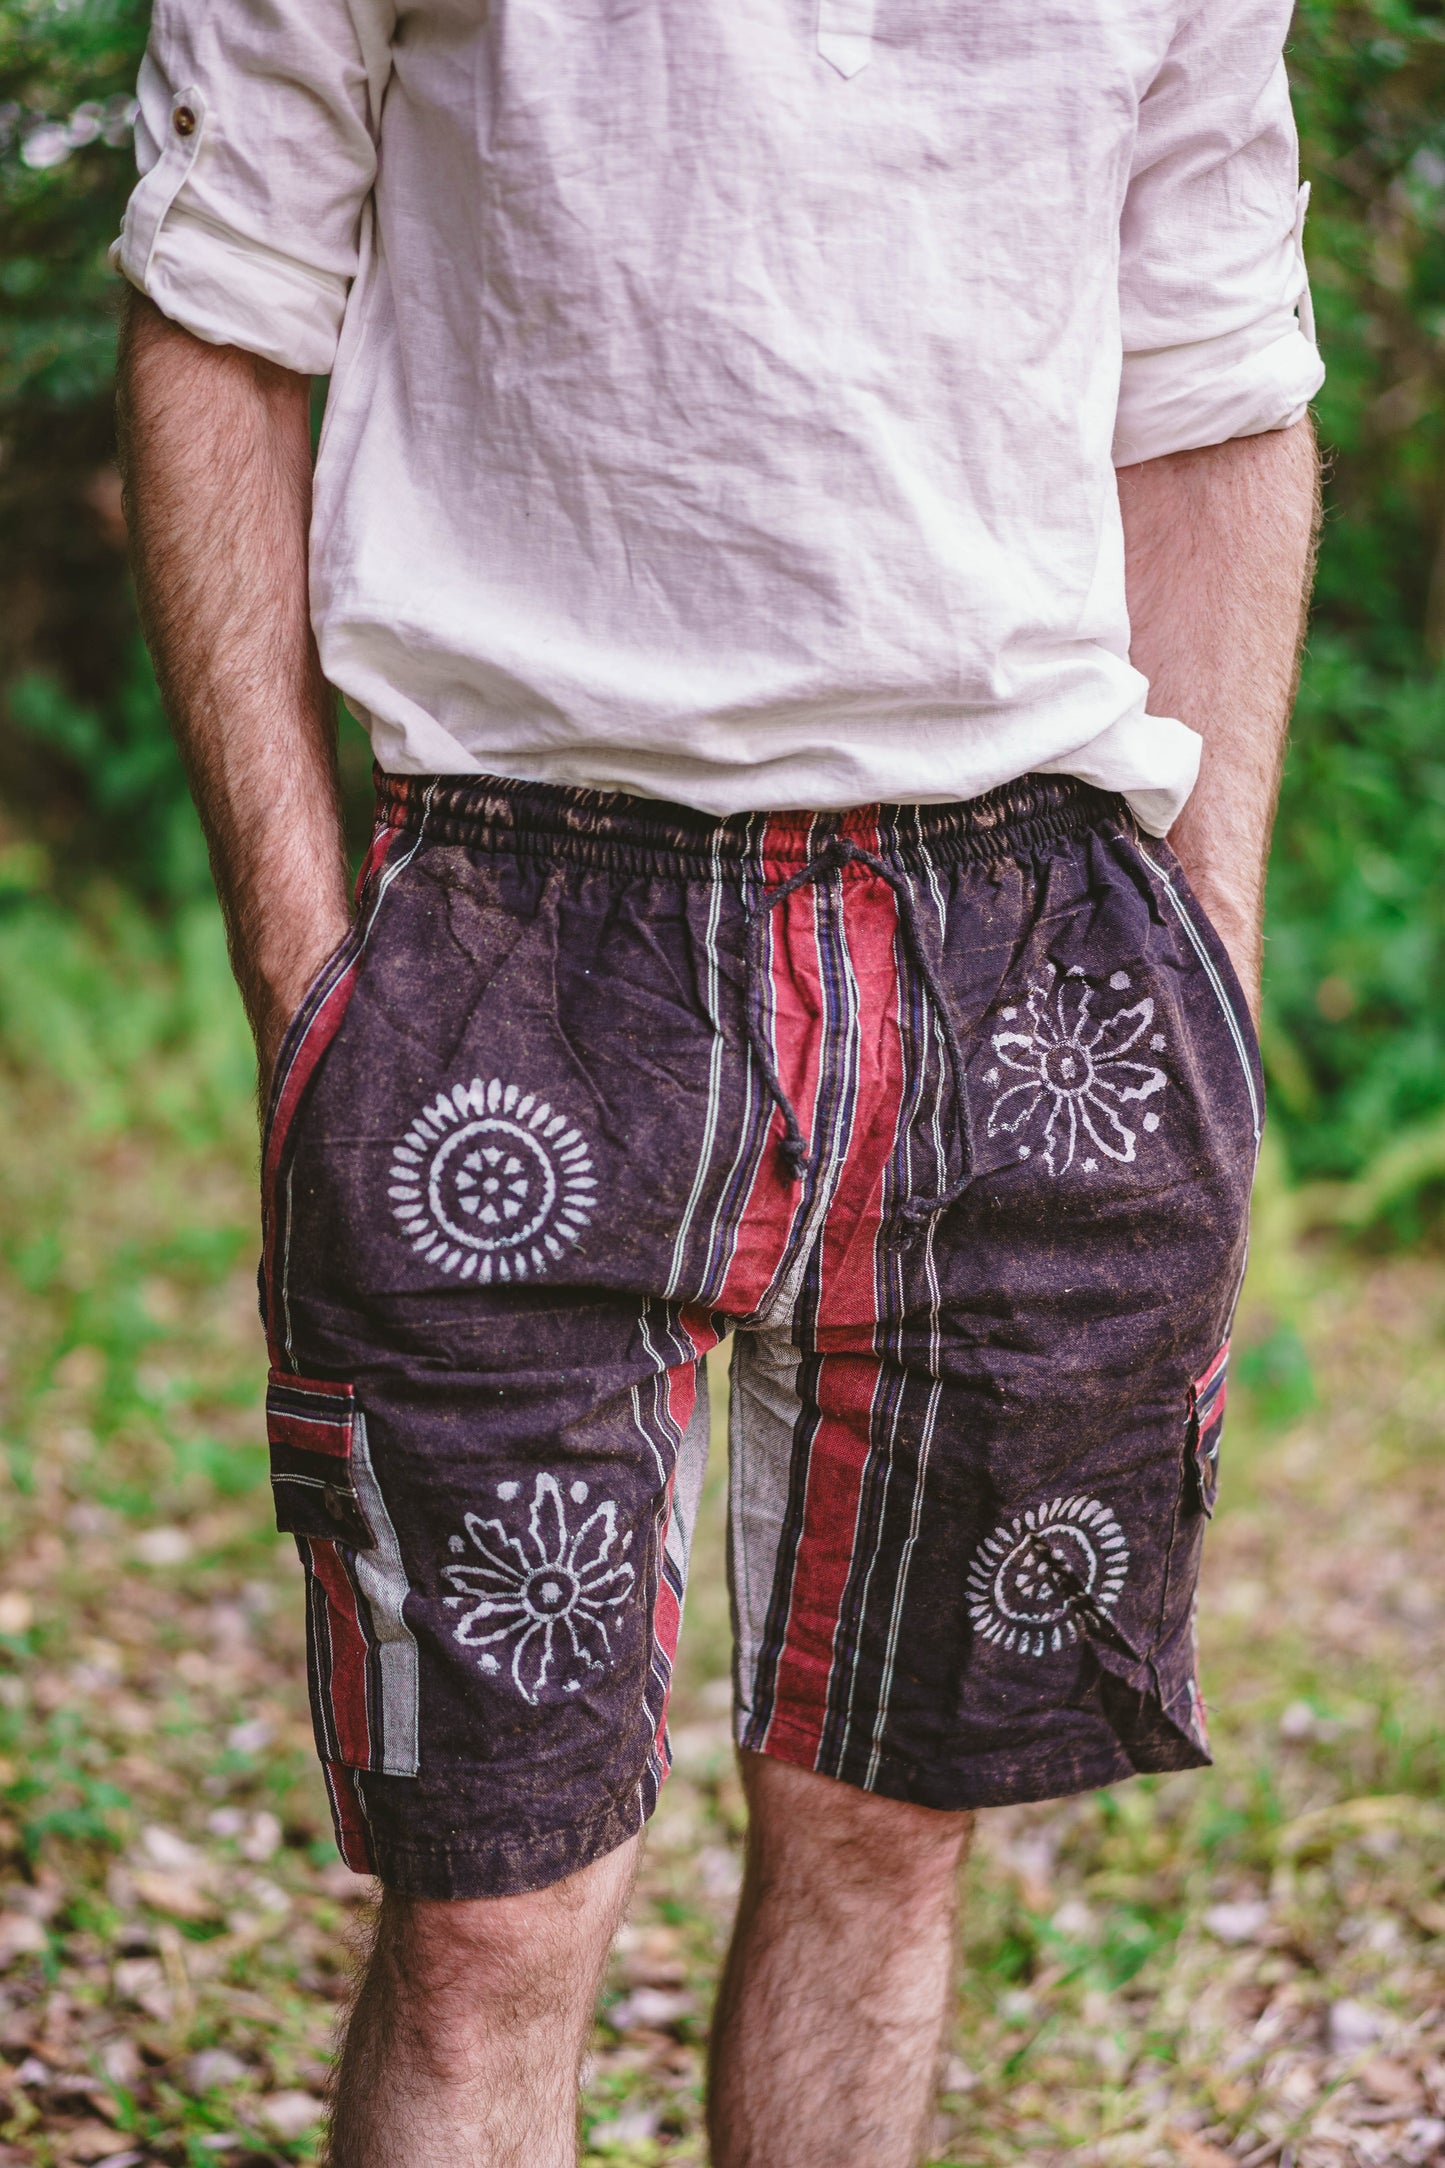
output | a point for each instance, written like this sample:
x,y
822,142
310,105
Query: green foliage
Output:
x,y
1356,969
132,1018
1369,86
139,806
66,79
1357,943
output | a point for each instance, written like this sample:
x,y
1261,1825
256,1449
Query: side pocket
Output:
x,y
310,1425
311,1031
1205,1429
1218,968
292,1071
362,1663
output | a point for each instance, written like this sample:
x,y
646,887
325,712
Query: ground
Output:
x,y
1245,1966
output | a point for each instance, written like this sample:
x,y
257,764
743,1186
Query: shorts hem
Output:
x,y
502,1866
999,1779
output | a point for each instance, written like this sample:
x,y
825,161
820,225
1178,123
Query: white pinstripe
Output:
x,y
714,1076
930,1419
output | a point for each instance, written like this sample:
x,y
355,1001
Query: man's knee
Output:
x,y
806,1828
464,1964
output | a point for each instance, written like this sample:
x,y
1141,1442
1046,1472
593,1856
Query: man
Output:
x,y
768,927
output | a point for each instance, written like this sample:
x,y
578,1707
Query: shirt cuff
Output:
x,y
1239,385
232,291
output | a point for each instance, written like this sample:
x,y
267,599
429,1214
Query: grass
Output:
x,y
1245,1966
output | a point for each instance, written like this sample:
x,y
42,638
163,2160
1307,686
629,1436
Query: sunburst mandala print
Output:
x,y
1023,1582
1070,1084
491,1182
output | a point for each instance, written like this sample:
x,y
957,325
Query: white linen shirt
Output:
x,y
725,394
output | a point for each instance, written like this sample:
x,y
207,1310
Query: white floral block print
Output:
x,y
1080,1075
542,1595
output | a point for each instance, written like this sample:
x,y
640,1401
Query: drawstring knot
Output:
x,y
837,852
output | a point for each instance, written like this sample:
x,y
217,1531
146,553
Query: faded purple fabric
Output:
x,y
529,1158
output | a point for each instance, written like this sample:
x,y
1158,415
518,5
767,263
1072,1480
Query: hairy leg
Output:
x,y
830,2018
466,2036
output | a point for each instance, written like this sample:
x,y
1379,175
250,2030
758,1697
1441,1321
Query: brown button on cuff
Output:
x,y
183,120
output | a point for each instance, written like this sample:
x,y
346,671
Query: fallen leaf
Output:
x,y
1234,1924
655,2008
213,2067
142,1980
289,2114
162,1547
263,1839
172,1853
1199,2153
180,1896
88,2142
20,1936
634,2126
1352,2027
1386,2080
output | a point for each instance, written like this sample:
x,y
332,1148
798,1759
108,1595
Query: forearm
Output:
x,y
1220,552
216,458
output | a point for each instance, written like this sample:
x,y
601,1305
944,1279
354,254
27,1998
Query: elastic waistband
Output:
x,y
647,835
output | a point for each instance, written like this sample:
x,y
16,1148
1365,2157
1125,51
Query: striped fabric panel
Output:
x,y
310,1426
348,1817
800,1676
363,1658
765,1218
665,1410
1207,1396
339,1648
313,1414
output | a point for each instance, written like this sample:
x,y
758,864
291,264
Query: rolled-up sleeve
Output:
x,y
256,143
1214,297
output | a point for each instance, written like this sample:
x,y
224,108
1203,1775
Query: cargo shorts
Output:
x,y
948,1115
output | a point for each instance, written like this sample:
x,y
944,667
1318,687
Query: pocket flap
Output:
x,y
309,1424
1206,1426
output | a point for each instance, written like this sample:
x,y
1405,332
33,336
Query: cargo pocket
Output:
x,y
1204,1430
361,1655
1151,1696
310,1426
1156,1708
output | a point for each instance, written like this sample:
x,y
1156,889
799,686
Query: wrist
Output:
x,y
1239,925
278,983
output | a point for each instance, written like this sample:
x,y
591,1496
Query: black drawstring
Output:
x,y
1090,1614
840,851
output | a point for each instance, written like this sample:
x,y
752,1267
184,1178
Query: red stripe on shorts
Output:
x,y
345,1689
796,983
300,1068
848,1371
347,1818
